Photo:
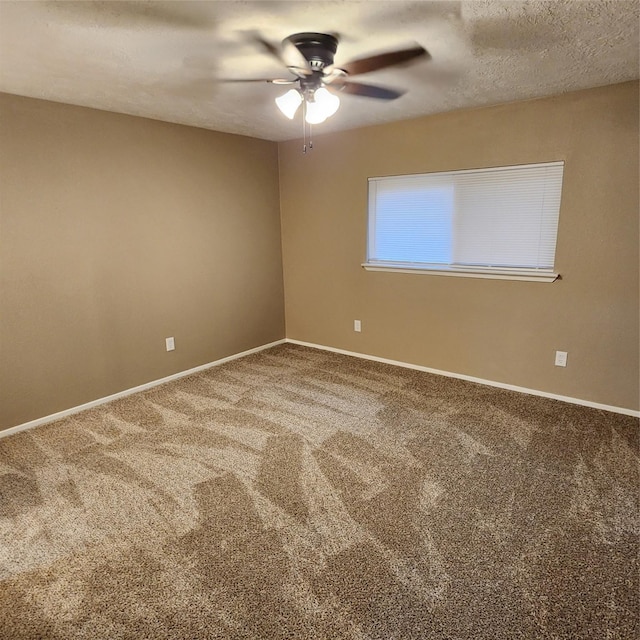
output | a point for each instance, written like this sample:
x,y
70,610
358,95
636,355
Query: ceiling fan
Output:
x,y
309,58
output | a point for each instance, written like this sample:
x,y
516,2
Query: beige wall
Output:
x,y
117,232
503,331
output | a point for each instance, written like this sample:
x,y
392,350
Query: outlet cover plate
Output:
x,y
171,344
561,358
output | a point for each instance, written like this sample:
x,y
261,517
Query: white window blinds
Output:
x,y
499,218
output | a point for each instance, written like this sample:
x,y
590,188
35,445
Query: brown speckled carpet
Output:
x,y
305,495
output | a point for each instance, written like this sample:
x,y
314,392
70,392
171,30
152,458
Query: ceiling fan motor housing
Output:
x,y
317,48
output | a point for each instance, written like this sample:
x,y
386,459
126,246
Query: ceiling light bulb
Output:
x,y
328,100
289,103
324,105
315,113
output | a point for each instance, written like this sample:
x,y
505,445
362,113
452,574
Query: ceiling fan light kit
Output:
x,y
322,106
319,104
289,102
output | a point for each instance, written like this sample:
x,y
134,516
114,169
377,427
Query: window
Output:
x,y
500,222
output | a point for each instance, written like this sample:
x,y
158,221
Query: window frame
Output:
x,y
532,274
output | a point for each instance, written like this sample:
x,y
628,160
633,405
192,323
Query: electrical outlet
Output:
x,y
357,326
171,344
561,358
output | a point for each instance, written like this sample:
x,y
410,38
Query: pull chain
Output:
x,y
304,126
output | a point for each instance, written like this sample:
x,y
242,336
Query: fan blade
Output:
x,y
289,55
269,80
369,90
293,59
333,74
373,63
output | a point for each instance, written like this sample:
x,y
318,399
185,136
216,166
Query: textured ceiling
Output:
x,y
161,59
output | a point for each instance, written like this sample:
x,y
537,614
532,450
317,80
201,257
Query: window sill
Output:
x,y
527,275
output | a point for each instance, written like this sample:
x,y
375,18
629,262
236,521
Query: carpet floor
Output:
x,y
307,495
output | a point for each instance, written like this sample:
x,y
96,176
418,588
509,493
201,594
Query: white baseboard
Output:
x,y
460,376
181,374
128,392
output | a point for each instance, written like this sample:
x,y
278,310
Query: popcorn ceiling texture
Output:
x,y
302,494
161,59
